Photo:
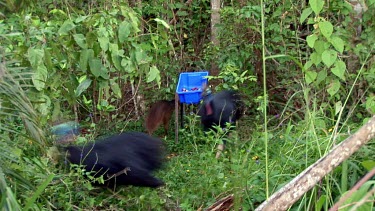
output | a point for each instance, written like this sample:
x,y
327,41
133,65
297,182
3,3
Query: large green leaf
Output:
x,y
305,13
104,43
316,6
67,26
322,75
116,55
95,67
339,69
338,43
329,57
315,58
124,31
311,40
83,87
80,40
334,87
35,56
115,88
153,75
39,78
310,76
326,28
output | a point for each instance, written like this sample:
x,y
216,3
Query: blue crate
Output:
x,y
190,86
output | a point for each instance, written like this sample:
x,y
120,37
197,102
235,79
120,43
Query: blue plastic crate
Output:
x,y
190,86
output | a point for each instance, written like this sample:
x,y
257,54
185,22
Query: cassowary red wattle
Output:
x,y
124,159
219,109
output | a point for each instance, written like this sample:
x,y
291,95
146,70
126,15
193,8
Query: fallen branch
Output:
x,y
295,189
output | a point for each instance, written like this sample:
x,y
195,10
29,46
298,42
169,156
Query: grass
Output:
x,y
195,179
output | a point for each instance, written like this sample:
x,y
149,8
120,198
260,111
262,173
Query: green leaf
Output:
x,y
311,40
104,43
329,57
95,67
310,76
316,6
370,104
35,56
368,164
116,55
305,13
338,43
322,75
39,78
67,26
334,87
339,69
153,75
163,22
319,46
315,58
338,107
321,202
115,88
83,87
48,59
83,59
141,57
124,31
308,64
326,28
80,40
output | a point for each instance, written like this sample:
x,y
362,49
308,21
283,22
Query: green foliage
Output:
x,y
99,60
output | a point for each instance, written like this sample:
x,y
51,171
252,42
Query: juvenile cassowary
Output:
x,y
124,159
160,113
218,110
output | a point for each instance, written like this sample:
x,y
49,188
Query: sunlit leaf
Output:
x,y
153,75
305,13
83,87
339,69
316,6
311,40
338,44
326,28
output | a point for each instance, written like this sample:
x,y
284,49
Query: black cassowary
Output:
x,y
219,109
124,159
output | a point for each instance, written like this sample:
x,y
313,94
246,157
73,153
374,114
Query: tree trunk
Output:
x,y
295,189
215,19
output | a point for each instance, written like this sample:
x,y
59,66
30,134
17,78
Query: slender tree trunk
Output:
x,y
215,19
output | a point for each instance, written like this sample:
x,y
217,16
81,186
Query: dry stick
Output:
x,y
354,188
176,101
295,189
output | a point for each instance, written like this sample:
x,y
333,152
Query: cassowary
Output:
x,y
124,159
218,110
160,113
